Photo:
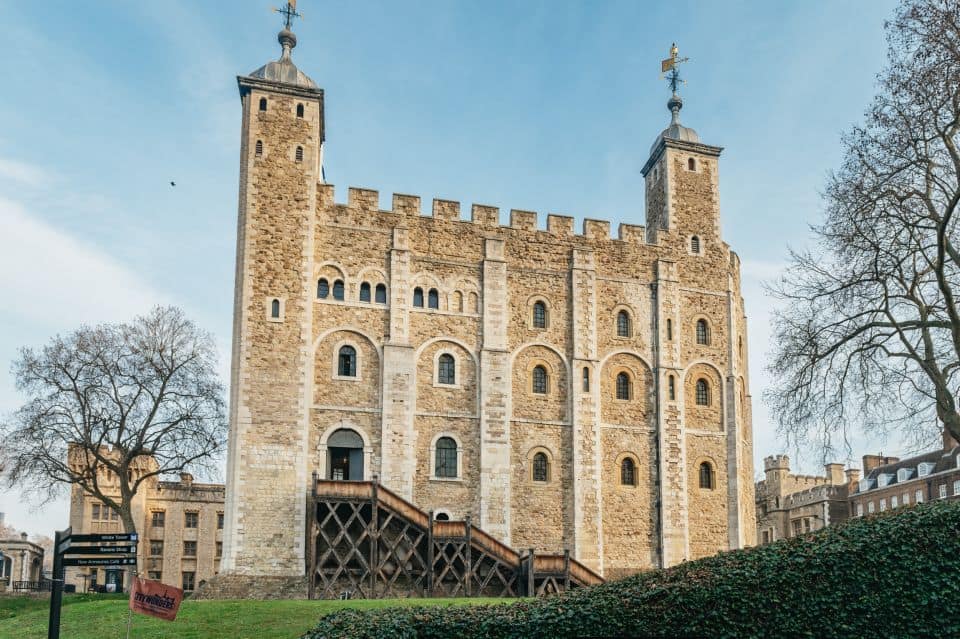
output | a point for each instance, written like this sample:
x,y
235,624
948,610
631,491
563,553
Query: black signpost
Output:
x,y
116,549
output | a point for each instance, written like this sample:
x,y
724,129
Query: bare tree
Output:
x,y
112,406
869,335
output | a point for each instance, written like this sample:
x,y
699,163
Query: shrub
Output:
x,y
891,575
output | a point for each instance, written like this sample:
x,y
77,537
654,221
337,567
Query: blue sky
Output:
x,y
540,105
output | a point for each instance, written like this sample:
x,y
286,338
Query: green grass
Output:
x,y
88,616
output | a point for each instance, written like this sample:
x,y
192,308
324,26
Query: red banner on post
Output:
x,y
155,599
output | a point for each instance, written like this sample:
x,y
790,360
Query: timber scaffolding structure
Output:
x,y
365,541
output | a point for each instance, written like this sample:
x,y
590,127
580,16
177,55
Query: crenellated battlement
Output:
x,y
487,217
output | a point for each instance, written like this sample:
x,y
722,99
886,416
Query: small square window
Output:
x,y
156,548
157,518
191,519
189,549
155,575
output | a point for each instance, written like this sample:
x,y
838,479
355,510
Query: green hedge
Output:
x,y
891,575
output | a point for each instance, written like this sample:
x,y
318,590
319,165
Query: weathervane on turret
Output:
x,y
670,70
289,12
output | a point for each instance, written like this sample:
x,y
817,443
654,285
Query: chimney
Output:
x,y
949,443
853,475
186,479
874,461
23,536
835,473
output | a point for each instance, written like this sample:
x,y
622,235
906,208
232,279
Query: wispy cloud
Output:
x,y
23,174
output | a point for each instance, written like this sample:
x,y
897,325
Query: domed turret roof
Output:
x,y
284,70
675,131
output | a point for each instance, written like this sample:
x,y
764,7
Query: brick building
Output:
x,y
566,389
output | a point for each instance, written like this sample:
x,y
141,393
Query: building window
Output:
x,y
275,309
706,476
338,290
956,487
189,549
628,472
669,330
155,575
418,297
540,380
263,104
623,386
191,519
446,458
442,517
219,550
883,504
671,388
299,110
586,379
623,324
259,149
870,507
894,502
380,294
347,362
433,299
859,510
795,525
541,467
918,497
906,499
766,537
157,518
457,302
703,332
299,154
365,292
703,393
446,369
691,164
188,578
942,491
156,548
539,315
695,245
219,521
323,288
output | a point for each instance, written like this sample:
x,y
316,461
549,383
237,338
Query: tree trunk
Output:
x,y
129,526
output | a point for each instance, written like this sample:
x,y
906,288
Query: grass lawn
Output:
x,y
87,616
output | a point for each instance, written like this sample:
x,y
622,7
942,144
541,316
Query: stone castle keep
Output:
x,y
564,389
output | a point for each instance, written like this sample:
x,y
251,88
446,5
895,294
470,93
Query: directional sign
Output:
x,y
100,538
99,561
100,550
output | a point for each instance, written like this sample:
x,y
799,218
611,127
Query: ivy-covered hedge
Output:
x,y
892,575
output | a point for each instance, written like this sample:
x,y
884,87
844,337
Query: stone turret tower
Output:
x,y
280,167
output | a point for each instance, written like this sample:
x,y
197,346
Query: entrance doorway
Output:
x,y
345,455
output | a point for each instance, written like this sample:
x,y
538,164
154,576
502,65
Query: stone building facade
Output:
x,y
564,388
180,524
21,560
789,505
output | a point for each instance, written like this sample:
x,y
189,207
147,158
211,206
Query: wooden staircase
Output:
x,y
367,542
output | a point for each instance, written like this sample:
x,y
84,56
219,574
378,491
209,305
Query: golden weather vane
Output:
x,y
670,70
289,12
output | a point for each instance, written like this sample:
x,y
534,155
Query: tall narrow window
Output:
x,y
299,110
540,380
474,301
671,388
628,472
623,386
623,324
446,458
541,467
433,298
323,288
706,475
446,369
338,290
418,297
586,379
669,330
259,149
275,309
457,302
703,332
299,154
695,244
692,164
539,315
347,362
703,393
365,292
263,104
380,295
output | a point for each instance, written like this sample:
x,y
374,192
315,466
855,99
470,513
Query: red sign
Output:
x,y
155,599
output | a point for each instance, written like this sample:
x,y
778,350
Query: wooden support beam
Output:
x,y
468,569
430,551
566,569
374,539
531,584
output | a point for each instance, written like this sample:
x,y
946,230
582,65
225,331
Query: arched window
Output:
x,y
323,288
703,393
540,380
669,330
347,362
692,164
442,517
446,369
703,332
418,297
628,472
446,458
263,104
457,302
275,309
695,244
539,315
474,301
299,110
623,386
365,292
338,290
623,324
541,467
259,148
299,155
706,475
586,379
433,298
380,295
